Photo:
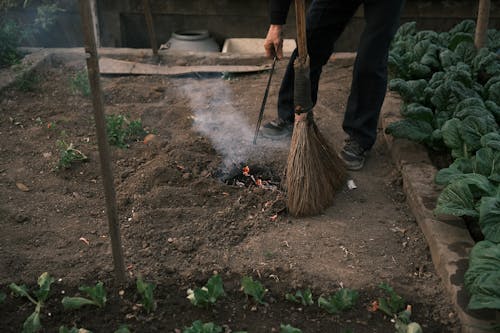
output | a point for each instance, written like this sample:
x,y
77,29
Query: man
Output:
x,y
326,19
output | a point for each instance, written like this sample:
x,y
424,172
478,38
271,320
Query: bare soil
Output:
x,y
183,215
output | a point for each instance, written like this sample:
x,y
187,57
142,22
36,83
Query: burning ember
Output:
x,y
250,180
243,176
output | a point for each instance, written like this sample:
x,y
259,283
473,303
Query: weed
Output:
x,y
96,294
121,131
392,304
254,289
200,327
32,323
208,294
26,81
145,289
79,83
344,299
302,297
69,155
64,329
289,329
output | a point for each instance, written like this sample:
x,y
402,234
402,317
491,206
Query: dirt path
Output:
x,y
180,222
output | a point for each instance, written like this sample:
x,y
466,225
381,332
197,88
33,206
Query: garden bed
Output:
x,y
180,221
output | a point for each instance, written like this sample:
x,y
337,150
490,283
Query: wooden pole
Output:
x,y
98,104
483,17
300,14
151,29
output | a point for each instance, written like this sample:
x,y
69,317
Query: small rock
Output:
x,y
20,218
170,240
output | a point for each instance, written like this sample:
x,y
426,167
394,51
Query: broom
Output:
x,y
314,172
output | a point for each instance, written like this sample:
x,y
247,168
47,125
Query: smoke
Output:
x,y
216,117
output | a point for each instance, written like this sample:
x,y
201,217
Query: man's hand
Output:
x,y
274,41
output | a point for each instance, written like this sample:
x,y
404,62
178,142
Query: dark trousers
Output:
x,y
326,19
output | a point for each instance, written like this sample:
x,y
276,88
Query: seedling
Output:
x,y
403,324
392,304
96,294
208,294
254,289
145,289
344,299
69,155
302,297
289,329
64,329
80,83
121,131
200,327
32,323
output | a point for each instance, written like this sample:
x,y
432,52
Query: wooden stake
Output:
x,y
151,29
483,17
300,14
98,104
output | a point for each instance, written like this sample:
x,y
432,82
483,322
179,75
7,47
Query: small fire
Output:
x,y
246,171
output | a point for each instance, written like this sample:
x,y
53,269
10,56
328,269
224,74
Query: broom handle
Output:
x,y
300,13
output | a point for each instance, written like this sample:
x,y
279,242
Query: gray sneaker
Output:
x,y
353,155
277,129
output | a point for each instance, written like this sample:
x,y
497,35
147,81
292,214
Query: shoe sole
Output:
x,y
352,165
274,136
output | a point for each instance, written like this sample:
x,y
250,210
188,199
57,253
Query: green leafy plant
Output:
x,y
69,155
146,289
96,294
344,299
392,304
289,329
303,297
208,294
80,83
199,327
33,323
252,288
64,329
451,94
483,276
121,131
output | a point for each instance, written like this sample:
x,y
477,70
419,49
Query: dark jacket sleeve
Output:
x,y
278,11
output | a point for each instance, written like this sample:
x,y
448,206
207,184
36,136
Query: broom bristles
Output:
x,y
314,171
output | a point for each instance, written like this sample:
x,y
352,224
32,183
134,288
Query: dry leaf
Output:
x,y
84,240
148,138
274,217
22,187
